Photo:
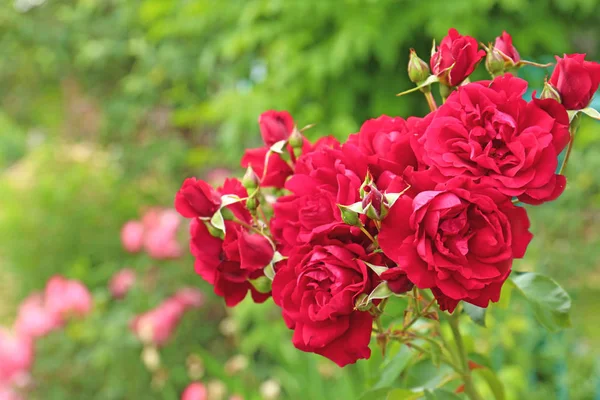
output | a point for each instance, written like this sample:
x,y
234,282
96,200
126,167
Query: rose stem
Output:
x,y
430,100
466,374
572,130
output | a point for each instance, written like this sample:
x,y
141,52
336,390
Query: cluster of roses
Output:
x,y
430,202
38,315
156,234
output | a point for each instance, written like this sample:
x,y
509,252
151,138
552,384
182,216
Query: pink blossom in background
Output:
x,y
157,325
132,236
195,391
160,233
189,297
34,320
16,357
121,283
7,393
66,297
217,176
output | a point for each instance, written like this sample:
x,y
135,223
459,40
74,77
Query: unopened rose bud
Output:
x,y
418,70
195,367
228,327
373,203
151,358
296,139
251,203
250,180
550,92
362,302
236,364
494,62
215,232
216,390
227,214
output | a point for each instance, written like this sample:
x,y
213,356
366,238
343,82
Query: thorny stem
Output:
x,y
462,353
419,315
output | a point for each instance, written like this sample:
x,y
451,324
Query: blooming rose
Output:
x,y
505,45
121,283
229,263
576,80
275,126
34,319
64,297
195,391
459,242
16,357
197,198
316,289
277,169
132,236
456,58
488,133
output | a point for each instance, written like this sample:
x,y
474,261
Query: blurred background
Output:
x,y
107,105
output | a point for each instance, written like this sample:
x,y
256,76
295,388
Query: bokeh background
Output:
x,y
107,105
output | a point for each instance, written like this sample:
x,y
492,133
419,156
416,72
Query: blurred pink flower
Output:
x,y
16,357
121,283
7,393
195,391
157,325
66,297
132,236
217,176
34,320
160,233
189,297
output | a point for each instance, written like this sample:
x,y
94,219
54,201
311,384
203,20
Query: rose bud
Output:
x,y
456,58
197,198
275,126
576,80
250,181
373,203
418,70
195,391
132,236
494,62
506,49
550,92
397,280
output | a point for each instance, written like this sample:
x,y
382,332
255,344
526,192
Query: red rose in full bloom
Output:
x,y
197,198
317,288
275,126
488,133
456,58
458,242
576,80
505,45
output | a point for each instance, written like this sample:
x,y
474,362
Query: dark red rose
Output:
x,y
456,58
235,187
488,133
505,45
576,80
458,242
275,126
229,264
197,198
317,288
397,280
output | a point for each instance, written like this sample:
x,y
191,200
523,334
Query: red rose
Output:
x,y
488,133
275,126
576,80
229,263
459,242
317,288
197,198
456,58
505,45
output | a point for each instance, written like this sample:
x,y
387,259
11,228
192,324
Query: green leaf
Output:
x,y
217,221
403,394
477,314
378,269
392,369
375,394
551,303
443,394
278,147
382,291
270,271
229,199
493,382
